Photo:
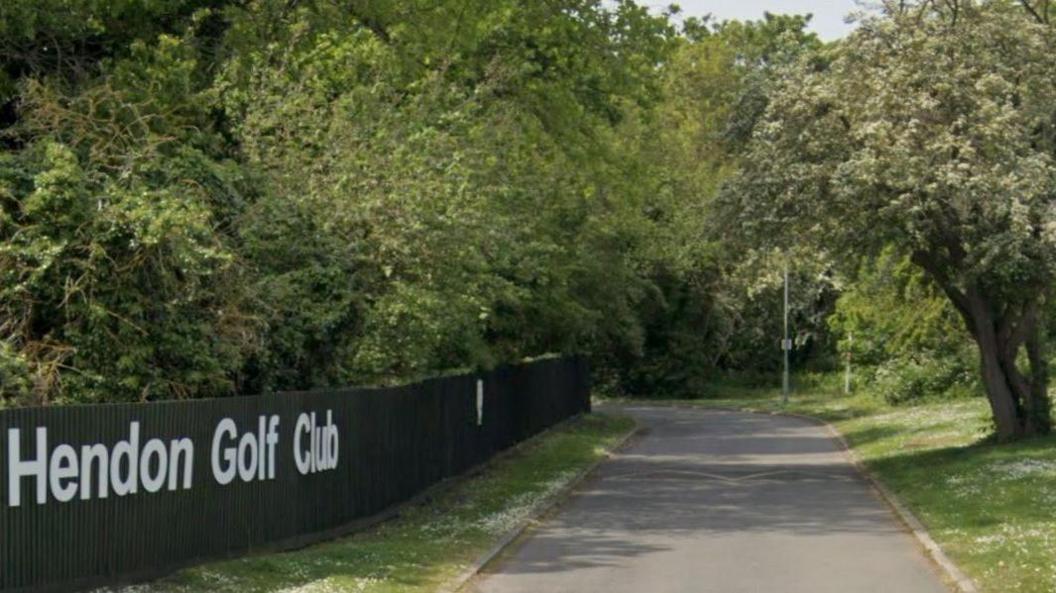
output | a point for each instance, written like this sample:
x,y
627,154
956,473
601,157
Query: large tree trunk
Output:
x,y
998,391
1002,329
1019,402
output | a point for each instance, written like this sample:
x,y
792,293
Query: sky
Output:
x,y
828,19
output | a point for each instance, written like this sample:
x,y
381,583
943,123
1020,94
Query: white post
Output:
x,y
847,374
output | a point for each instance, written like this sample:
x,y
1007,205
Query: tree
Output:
x,y
467,201
930,129
708,305
906,338
201,197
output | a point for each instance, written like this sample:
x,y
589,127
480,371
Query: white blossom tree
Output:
x,y
931,128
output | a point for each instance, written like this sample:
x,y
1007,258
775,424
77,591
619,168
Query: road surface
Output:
x,y
725,502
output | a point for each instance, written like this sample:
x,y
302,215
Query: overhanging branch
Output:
x,y
930,265
1040,13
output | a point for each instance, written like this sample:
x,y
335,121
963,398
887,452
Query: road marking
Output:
x,y
729,479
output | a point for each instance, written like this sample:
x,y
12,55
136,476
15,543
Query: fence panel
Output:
x,y
98,494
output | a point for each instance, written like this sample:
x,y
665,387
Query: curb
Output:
x,y
544,508
956,577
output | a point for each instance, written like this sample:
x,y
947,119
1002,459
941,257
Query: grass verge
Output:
x,y
991,507
427,544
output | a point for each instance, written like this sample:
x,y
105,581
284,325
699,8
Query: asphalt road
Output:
x,y
723,502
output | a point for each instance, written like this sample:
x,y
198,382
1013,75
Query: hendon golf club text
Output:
x,y
139,464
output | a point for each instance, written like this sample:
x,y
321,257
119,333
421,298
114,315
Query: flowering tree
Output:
x,y
931,129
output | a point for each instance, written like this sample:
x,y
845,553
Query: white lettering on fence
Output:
x,y
321,451
140,464
18,469
251,457
67,473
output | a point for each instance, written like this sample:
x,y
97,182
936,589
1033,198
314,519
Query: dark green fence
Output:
x,y
111,493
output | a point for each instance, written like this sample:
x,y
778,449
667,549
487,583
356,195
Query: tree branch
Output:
x,y
1042,17
372,24
960,301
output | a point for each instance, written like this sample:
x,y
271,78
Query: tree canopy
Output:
x,y
207,197
929,130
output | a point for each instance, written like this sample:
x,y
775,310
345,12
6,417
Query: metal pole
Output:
x,y
847,375
785,345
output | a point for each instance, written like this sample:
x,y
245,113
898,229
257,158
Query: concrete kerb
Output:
x,y
542,510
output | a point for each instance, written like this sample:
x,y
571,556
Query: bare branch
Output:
x,y
1040,17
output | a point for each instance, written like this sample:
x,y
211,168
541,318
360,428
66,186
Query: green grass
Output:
x,y
991,507
430,543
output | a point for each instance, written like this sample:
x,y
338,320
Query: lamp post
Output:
x,y
786,345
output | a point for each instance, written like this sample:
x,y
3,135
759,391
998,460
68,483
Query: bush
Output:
x,y
904,380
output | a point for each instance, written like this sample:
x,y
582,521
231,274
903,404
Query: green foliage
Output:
x,y
206,197
890,308
460,221
927,132
118,283
114,291
714,304
201,198
906,338
921,377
